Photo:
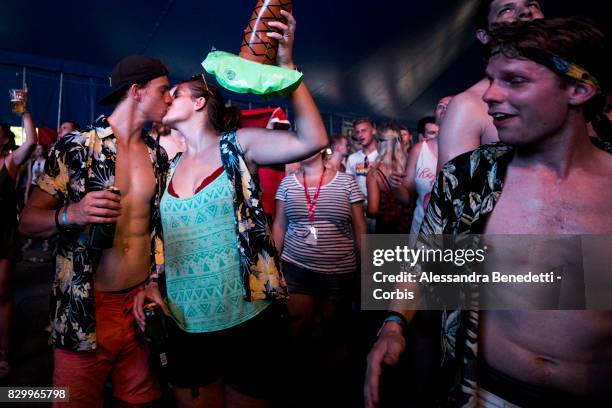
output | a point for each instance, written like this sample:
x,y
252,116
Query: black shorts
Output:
x,y
328,286
250,357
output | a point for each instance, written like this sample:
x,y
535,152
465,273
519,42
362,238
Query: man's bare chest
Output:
x,y
134,176
576,207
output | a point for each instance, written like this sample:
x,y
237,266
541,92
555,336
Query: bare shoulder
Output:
x,y
469,101
466,125
466,118
244,136
477,90
373,176
604,163
415,150
372,172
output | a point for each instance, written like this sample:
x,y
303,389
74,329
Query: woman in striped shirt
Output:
x,y
318,227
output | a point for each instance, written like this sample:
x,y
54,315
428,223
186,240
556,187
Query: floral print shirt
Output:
x,y
78,163
465,193
259,261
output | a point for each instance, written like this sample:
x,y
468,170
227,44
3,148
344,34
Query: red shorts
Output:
x,y
121,356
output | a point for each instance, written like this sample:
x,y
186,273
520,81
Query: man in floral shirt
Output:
x,y
544,178
93,328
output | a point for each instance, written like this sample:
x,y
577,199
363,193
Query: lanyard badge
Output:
x,y
312,237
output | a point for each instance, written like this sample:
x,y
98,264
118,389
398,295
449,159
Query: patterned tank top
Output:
x,y
202,261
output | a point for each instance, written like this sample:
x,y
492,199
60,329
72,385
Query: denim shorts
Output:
x,y
329,286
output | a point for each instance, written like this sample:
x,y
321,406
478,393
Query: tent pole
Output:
x,y
91,100
24,72
59,105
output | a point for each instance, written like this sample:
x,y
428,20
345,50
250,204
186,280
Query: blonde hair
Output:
x,y
391,152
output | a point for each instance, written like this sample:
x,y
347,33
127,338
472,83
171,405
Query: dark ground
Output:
x,y
31,357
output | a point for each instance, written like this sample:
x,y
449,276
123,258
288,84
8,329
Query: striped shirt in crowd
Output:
x,y
334,251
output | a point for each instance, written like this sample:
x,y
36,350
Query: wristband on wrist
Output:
x,y
404,322
396,318
61,219
65,216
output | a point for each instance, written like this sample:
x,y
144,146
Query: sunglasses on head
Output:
x,y
197,77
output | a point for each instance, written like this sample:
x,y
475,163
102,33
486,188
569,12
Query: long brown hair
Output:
x,y
222,118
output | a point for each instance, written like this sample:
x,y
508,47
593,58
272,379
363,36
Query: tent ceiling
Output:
x,y
390,58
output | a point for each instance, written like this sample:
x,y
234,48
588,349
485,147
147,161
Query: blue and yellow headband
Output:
x,y
559,65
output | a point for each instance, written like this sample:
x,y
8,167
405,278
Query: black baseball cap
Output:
x,y
135,69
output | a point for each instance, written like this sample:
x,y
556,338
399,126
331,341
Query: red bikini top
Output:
x,y
207,180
